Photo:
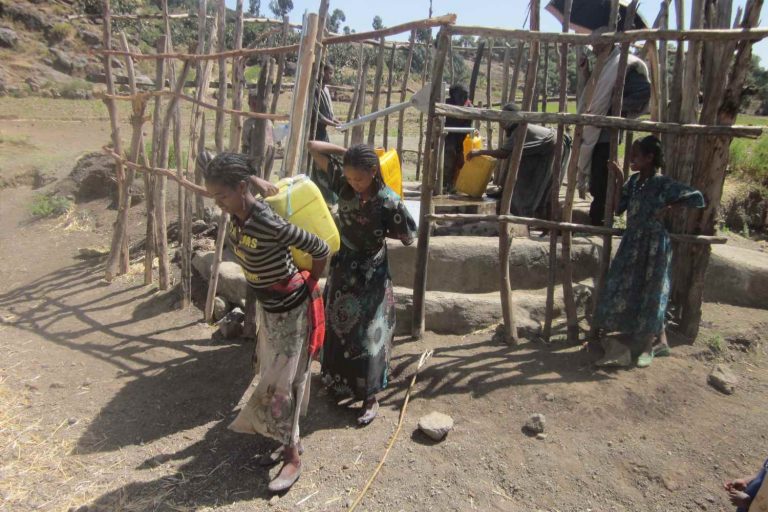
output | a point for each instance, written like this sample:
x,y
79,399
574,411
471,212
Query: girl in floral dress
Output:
x,y
360,305
636,293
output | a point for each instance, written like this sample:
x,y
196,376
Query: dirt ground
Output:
x,y
111,399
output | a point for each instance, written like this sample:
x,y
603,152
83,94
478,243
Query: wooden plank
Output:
x,y
376,92
422,251
505,239
391,31
300,104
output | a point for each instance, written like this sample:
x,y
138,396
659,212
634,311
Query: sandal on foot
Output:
x,y
369,414
282,483
645,359
661,351
616,355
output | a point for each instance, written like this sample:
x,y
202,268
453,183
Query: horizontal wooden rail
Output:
x,y
707,35
503,116
566,226
245,52
168,173
390,31
242,113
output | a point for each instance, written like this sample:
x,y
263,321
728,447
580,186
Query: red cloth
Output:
x,y
315,315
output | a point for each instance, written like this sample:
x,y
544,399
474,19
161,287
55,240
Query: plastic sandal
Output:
x,y
645,359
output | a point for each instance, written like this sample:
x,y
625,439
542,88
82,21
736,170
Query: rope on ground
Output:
x,y
422,361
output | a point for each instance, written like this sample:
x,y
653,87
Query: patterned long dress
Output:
x,y
634,300
360,304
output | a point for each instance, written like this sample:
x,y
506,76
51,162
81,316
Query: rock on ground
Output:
x,y
220,309
535,424
723,379
93,177
231,326
8,38
436,425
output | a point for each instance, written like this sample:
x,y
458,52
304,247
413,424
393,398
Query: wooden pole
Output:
x,y
149,179
512,96
505,238
554,199
221,99
403,92
238,79
488,125
545,79
430,166
664,74
504,86
202,78
358,132
616,106
424,75
376,92
311,121
353,104
116,263
300,101
385,141
280,67
476,70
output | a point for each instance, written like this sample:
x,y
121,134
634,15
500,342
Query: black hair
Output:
x,y
651,145
458,89
363,156
228,169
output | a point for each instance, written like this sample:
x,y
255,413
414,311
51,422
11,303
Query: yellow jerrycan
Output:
x,y
472,142
301,203
475,175
390,169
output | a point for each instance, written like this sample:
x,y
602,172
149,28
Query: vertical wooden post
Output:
x,y
358,132
403,92
616,106
516,72
664,73
300,101
385,141
280,67
376,91
505,238
476,70
116,263
202,77
505,85
221,99
149,178
489,103
311,121
353,102
430,161
424,75
545,79
238,79
554,199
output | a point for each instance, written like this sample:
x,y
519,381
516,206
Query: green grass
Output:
x,y
49,206
715,343
252,74
750,157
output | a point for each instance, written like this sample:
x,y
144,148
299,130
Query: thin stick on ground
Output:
x,y
422,361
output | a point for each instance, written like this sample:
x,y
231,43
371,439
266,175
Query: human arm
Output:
x,y
321,151
620,201
675,196
265,188
294,236
398,222
500,153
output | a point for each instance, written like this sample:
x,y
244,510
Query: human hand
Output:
x,y
739,484
265,188
739,499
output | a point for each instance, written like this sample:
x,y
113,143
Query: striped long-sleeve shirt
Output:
x,y
261,246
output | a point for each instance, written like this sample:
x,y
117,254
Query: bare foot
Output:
x,y
370,410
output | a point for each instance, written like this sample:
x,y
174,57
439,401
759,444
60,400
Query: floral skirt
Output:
x,y
360,324
282,393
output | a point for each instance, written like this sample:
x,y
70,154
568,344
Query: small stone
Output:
x,y
199,226
273,500
71,421
8,38
549,397
541,437
231,326
56,385
723,379
220,308
535,424
436,425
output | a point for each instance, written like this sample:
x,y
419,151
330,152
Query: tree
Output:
x,y
280,7
254,6
333,24
347,30
377,23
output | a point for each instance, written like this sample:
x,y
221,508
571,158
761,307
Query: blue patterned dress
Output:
x,y
636,293
359,301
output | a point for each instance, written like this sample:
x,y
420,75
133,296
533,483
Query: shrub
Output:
x,y
61,32
49,206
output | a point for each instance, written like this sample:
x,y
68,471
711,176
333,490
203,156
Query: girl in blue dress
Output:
x,y
359,301
636,293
